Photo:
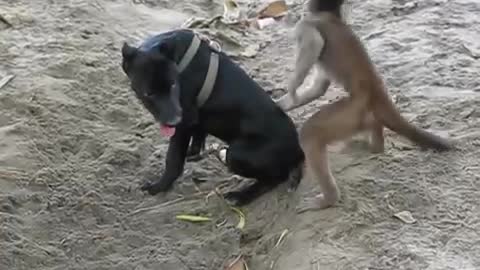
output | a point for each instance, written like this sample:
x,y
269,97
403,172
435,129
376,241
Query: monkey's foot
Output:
x,y
319,202
376,144
376,148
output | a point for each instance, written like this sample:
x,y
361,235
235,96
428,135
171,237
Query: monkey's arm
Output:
x,y
305,96
309,46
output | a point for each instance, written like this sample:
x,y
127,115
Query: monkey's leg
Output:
x,y
333,122
376,137
318,167
377,140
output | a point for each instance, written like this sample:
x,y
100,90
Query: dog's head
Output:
x,y
154,79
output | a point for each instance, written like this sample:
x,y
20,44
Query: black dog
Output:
x,y
263,142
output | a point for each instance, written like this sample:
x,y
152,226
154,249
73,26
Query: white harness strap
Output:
x,y
212,72
209,80
189,54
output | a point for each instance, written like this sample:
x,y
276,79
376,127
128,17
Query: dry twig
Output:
x,y
6,80
5,21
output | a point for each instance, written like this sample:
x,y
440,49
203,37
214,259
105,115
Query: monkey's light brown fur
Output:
x,y
340,55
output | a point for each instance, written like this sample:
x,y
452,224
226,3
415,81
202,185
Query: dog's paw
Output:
x,y
294,179
153,188
239,198
235,198
292,185
194,153
194,158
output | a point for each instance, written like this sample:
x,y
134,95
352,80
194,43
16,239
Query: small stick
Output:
x,y
470,52
222,200
6,80
2,19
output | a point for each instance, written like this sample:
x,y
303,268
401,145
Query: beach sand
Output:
x,y
76,145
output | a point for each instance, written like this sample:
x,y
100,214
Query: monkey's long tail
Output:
x,y
386,112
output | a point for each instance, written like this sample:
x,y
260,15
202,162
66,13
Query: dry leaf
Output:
x,y
273,10
230,4
405,216
237,264
241,215
221,223
262,23
231,11
250,51
282,236
193,218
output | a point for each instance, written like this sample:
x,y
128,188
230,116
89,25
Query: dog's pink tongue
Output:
x,y
167,131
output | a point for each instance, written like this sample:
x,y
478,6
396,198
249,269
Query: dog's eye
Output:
x,y
149,94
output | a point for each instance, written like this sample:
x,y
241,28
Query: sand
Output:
x,y
75,146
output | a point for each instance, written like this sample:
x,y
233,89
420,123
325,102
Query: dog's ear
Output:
x,y
128,52
167,48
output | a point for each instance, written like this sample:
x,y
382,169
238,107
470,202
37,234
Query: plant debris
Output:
x,y
405,216
274,9
241,215
5,21
232,13
282,236
192,218
470,52
237,264
6,80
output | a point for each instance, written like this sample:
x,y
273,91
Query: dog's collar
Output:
x,y
212,71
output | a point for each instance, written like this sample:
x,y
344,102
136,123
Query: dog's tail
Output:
x,y
296,175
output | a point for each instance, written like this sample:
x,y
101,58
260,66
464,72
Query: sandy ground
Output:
x,y
75,146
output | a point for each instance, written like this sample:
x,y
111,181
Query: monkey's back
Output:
x,y
344,55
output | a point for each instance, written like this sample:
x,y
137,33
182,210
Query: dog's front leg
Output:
x,y
197,146
174,163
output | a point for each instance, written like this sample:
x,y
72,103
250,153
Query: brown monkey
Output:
x,y
324,41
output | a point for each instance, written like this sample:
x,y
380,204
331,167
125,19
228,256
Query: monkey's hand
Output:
x,y
287,102
294,97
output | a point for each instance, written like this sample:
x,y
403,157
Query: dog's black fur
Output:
x,y
263,142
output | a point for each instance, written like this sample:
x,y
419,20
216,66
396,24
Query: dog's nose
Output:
x,y
174,121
